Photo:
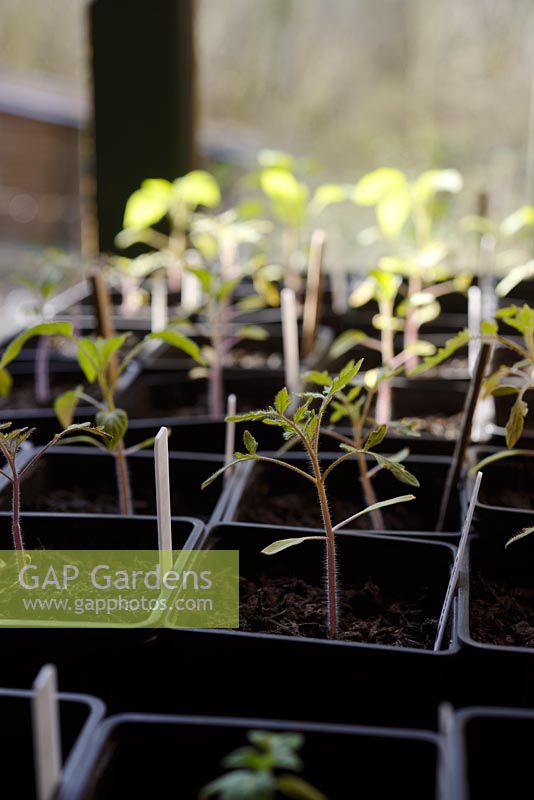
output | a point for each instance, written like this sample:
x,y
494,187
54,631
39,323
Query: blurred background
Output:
x,y
349,84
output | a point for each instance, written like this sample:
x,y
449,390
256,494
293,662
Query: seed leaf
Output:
x,y
283,544
516,421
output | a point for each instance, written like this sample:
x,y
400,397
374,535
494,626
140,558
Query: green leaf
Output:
x,y
254,332
375,437
347,374
521,535
65,404
522,218
283,544
374,186
498,457
282,401
317,378
516,421
146,206
198,188
443,353
108,347
88,358
241,457
6,382
505,389
250,416
363,293
328,194
346,341
489,327
179,341
115,424
387,284
405,498
250,442
392,212
43,329
296,787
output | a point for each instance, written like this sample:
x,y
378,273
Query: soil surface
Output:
x,y
509,483
367,612
262,503
500,613
75,501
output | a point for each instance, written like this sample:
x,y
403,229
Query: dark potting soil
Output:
x,y
500,613
368,613
509,483
76,501
291,508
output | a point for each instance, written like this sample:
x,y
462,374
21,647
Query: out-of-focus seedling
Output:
x,y
264,769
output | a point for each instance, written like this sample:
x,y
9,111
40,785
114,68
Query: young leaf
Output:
x,y
65,404
347,374
296,787
114,423
6,382
250,416
180,341
375,437
521,535
252,332
497,457
318,378
282,401
88,358
346,341
44,329
250,442
283,544
240,457
516,421
451,346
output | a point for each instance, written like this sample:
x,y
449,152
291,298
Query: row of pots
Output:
x,y
483,752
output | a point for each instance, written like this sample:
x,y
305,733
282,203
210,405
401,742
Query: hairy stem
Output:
x,y
331,568
123,481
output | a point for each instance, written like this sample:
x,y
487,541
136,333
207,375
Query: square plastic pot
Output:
x,y
74,477
311,678
265,493
139,756
79,715
489,753
496,674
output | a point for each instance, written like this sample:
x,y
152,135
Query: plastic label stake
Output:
x,y
191,297
455,574
313,301
159,303
46,733
163,498
229,446
290,335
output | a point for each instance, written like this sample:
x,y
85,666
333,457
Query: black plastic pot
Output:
x,y
108,662
65,375
489,755
265,493
499,674
83,479
284,676
128,755
79,715
506,486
